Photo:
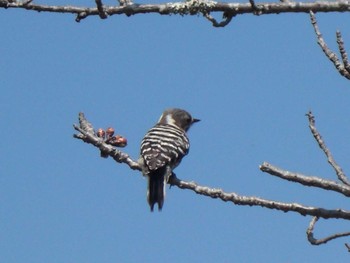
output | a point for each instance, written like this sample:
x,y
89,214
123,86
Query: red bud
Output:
x,y
118,141
100,133
110,132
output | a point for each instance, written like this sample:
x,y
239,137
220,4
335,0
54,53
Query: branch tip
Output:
x,y
342,51
342,68
310,117
338,170
81,16
312,181
347,246
106,145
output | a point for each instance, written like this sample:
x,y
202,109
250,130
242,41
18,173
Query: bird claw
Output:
x,y
171,178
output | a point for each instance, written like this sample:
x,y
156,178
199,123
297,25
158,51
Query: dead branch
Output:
x,y
341,176
342,188
314,241
88,135
256,201
305,180
342,67
342,51
191,7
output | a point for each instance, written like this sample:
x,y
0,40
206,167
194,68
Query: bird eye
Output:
x,y
188,119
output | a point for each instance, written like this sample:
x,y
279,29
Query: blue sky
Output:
x,y
251,83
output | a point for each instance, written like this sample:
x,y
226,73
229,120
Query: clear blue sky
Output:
x,y
251,83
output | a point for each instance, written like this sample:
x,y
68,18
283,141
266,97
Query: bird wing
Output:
x,y
168,149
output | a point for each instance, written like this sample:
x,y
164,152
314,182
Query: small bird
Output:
x,y
162,150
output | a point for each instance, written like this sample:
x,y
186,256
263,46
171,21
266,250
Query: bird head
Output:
x,y
177,117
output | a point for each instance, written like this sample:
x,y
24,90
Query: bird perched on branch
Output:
x,y
162,149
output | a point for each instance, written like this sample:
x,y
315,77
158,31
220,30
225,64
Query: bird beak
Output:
x,y
195,120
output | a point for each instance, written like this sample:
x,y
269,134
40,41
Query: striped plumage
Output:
x,y
164,144
162,149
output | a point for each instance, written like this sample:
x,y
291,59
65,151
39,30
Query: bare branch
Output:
x,y
305,180
185,8
227,19
341,176
347,246
329,53
342,51
314,241
256,201
88,135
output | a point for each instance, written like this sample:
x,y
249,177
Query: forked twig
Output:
x,y
342,68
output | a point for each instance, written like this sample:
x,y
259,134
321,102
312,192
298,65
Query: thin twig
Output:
x,y
226,19
314,241
342,51
101,10
305,180
88,135
341,175
329,53
347,246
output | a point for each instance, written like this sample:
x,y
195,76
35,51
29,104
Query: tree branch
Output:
x,y
191,7
342,51
342,188
88,135
256,201
305,180
314,241
342,68
347,246
341,176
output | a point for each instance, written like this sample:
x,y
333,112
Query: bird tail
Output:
x,y
156,188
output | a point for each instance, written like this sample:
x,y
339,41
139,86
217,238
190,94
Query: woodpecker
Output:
x,y
162,149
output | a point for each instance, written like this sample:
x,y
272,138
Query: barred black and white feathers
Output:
x,y
162,149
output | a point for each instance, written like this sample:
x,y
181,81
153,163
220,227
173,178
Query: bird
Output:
x,y
162,150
